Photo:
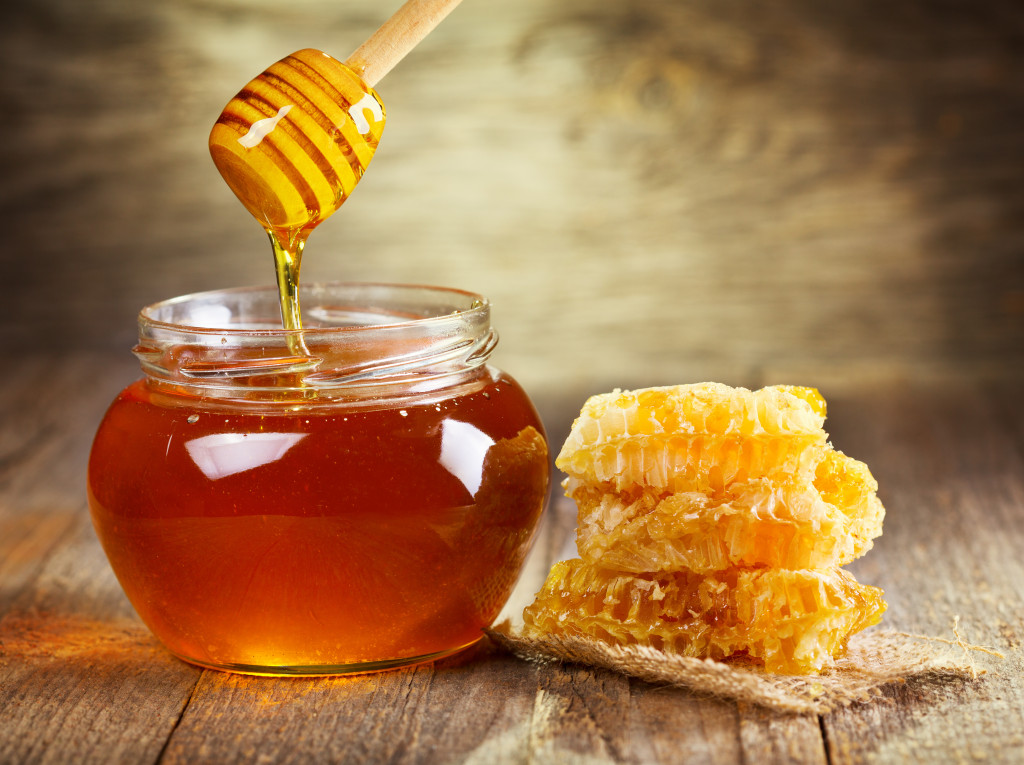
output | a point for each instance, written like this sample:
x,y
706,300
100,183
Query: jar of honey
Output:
x,y
356,495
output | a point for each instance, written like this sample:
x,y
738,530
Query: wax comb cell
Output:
x,y
789,622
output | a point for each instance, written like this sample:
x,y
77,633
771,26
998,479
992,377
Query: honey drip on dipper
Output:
x,y
295,141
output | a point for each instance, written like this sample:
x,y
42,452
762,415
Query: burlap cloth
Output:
x,y
875,658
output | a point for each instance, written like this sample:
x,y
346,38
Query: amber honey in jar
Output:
x,y
356,495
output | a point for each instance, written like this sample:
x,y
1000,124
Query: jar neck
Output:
x,y
359,342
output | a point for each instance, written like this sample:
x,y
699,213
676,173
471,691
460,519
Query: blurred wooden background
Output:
x,y
650,191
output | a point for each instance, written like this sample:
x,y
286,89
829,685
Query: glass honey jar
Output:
x,y
356,495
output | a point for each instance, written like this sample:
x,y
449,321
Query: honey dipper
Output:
x,y
295,141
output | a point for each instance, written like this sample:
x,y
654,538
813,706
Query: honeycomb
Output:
x,y
695,463
758,522
712,523
692,409
791,622
695,437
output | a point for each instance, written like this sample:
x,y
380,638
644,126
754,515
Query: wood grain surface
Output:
x,y
81,679
650,191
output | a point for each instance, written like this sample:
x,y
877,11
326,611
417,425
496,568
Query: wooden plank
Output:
x,y
953,484
48,423
579,715
467,708
48,414
81,679
769,737
586,715
670,725
26,541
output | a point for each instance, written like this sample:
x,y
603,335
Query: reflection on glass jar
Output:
x,y
366,503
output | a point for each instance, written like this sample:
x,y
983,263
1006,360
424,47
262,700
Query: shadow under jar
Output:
x,y
354,496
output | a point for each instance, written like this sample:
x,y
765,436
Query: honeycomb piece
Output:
x,y
695,463
791,622
758,522
700,408
695,437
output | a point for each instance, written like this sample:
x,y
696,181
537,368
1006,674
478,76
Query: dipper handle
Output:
x,y
396,37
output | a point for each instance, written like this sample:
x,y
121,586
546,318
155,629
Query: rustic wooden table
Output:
x,y
82,680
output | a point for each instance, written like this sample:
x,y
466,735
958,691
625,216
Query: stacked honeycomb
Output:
x,y
713,522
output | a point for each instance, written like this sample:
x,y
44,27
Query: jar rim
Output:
x,y
358,339
478,305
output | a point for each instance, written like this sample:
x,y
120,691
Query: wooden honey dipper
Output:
x,y
295,141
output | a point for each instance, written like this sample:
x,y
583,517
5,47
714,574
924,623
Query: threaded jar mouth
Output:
x,y
357,340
